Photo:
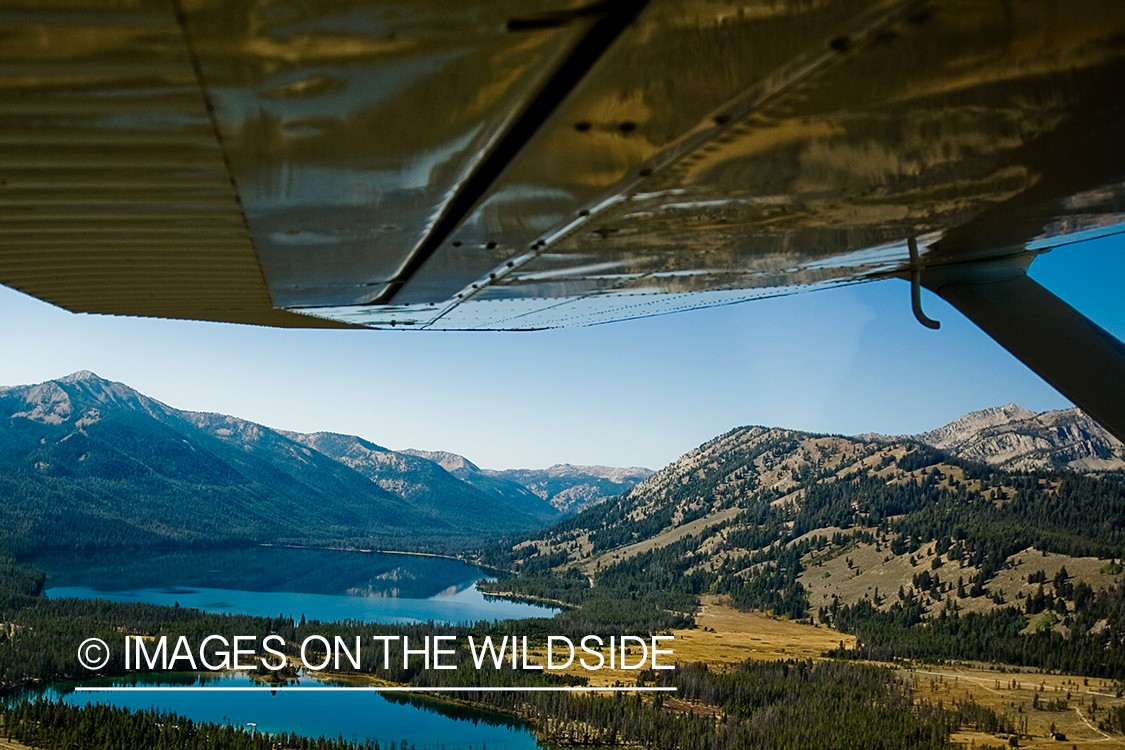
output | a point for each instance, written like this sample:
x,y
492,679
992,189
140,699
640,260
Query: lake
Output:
x,y
321,585
325,585
357,715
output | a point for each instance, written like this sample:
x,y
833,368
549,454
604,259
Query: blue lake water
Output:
x,y
314,584
356,714
324,585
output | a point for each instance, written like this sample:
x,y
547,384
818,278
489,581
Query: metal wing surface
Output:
x,y
523,165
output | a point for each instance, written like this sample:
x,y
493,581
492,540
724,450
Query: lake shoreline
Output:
x,y
365,550
513,596
186,581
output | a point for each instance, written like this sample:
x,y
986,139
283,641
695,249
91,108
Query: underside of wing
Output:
x,y
523,165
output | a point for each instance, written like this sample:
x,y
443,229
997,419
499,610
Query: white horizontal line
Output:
x,y
373,688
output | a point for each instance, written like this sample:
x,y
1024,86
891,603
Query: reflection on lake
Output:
x,y
322,585
357,714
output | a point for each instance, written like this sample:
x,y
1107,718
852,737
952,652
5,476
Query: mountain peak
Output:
x,y
451,462
77,377
973,422
76,397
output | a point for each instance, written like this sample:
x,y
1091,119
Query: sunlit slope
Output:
x,y
797,523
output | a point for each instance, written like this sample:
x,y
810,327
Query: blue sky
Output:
x,y
633,393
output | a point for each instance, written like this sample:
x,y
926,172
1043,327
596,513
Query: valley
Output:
x,y
891,587
844,521
1036,706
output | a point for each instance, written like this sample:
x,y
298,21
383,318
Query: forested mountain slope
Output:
x,y
89,462
417,478
828,528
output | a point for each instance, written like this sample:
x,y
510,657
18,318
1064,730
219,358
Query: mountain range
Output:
x,y
566,487
90,462
810,525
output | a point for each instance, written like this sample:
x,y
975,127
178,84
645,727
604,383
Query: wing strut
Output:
x,y
1072,353
610,20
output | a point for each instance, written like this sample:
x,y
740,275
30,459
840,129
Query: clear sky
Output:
x,y
633,393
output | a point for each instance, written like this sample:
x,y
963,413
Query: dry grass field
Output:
x,y
724,635
1072,705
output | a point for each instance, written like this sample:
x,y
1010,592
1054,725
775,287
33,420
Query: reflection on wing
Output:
x,y
520,165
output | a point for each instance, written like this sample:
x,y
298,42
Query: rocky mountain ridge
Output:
x,y
1018,439
568,488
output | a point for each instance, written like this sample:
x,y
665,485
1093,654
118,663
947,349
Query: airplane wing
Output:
x,y
522,165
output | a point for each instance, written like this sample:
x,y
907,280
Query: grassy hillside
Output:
x,y
877,538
